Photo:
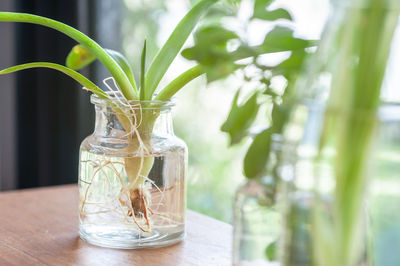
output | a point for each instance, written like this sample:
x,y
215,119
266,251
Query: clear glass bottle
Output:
x,y
132,176
258,214
334,123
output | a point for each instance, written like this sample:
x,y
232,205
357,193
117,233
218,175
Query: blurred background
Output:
x,y
45,115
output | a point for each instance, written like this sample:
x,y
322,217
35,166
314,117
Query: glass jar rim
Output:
x,y
117,99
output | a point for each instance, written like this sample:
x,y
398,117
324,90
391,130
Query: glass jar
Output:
x,y
258,213
384,188
132,176
334,122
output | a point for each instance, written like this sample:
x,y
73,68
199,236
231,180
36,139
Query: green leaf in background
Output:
x,y
240,118
257,155
262,3
291,65
79,57
261,12
270,251
280,115
171,48
210,44
273,14
281,38
210,50
213,34
219,70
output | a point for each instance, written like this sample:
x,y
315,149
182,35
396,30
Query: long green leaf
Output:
x,y
112,66
72,73
180,81
124,64
173,45
142,72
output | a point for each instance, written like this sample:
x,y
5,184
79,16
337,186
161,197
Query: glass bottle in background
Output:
x,y
384,188
258,214
334,123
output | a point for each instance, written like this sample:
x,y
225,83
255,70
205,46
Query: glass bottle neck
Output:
x,y
146,122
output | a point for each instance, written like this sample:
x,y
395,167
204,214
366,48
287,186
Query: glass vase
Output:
x,y
384,188
258,214
132,176
334,122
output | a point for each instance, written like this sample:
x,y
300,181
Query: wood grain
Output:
x,y
40,227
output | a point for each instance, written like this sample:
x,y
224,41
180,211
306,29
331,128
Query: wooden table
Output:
x,y
40,227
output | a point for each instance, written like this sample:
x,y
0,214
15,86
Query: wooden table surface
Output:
x,y
40,227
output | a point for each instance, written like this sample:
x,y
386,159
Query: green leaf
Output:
x,y
210,50
210,45
124,64
281,38
112,66
142,72
171,48
260,11
175,85
280,115
262,3
213,34
79,57
292,65
240,118
270,251
257,155
220,70
86,83
272,15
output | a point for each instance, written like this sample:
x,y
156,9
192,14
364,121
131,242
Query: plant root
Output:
x,y
134,198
